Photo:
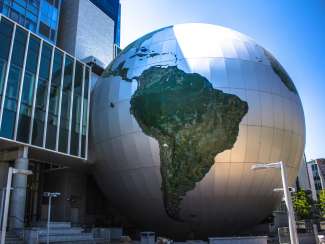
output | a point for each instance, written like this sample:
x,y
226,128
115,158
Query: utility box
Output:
x,y
147,237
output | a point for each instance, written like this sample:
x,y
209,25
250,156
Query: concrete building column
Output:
x,y
19,184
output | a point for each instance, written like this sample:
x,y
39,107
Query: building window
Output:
x,y
27,95
53,112
40,89
14,79
49,19
41,95
76,109
26,12
6,29
66,104
85,114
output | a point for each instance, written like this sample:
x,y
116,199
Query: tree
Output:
x,y
321,204
302,204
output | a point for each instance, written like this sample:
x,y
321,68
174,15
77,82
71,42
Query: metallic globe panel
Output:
x,y
229,196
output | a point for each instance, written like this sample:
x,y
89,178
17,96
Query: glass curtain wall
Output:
x,y
44,93
49,18
24,12
66,104
27,95
76,109
41,95
53,107
85,114
13,84
6,30
39,16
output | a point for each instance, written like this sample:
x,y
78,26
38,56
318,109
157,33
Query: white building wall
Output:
x,y
86,31
312,182
303,178
68,25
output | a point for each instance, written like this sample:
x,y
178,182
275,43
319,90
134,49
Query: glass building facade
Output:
x,y
113,9
39,16
44,93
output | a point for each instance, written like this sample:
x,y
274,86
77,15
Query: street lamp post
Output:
x,y
291,217
49,195
11,171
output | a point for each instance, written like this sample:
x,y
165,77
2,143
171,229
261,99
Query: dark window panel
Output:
x,y
8,119
13,82
19,8
27,94
66,105
41,96
52,125
3,67
10,105
24,123
85,114
6,29
52,121
19,47
45,61
76,110
38,128
44,29
30,24
14,79
28,89
32,57
5,10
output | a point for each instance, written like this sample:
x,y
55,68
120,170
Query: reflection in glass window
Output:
x,y
85,114
41,95
66,105
52,121
49,19
6,29
14,79
27,95
76,110
31,12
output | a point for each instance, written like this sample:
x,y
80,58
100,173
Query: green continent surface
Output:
x,y
192,122
279,70
139,51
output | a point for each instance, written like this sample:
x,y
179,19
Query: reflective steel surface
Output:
x,y
229,196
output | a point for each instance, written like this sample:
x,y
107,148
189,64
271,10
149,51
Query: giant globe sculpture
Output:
x,y
179,118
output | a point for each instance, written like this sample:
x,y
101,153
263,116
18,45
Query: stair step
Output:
x,y
62,238
11,238
81,242
59,231
55,224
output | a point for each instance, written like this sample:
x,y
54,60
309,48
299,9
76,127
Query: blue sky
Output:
x,y
293,30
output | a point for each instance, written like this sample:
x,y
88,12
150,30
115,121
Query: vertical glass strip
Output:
x,y
14,79
36,84
6,31
60,101
76,110
82,104
66,105
48,98
85,114
41,95
20,87
53,107
27,94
